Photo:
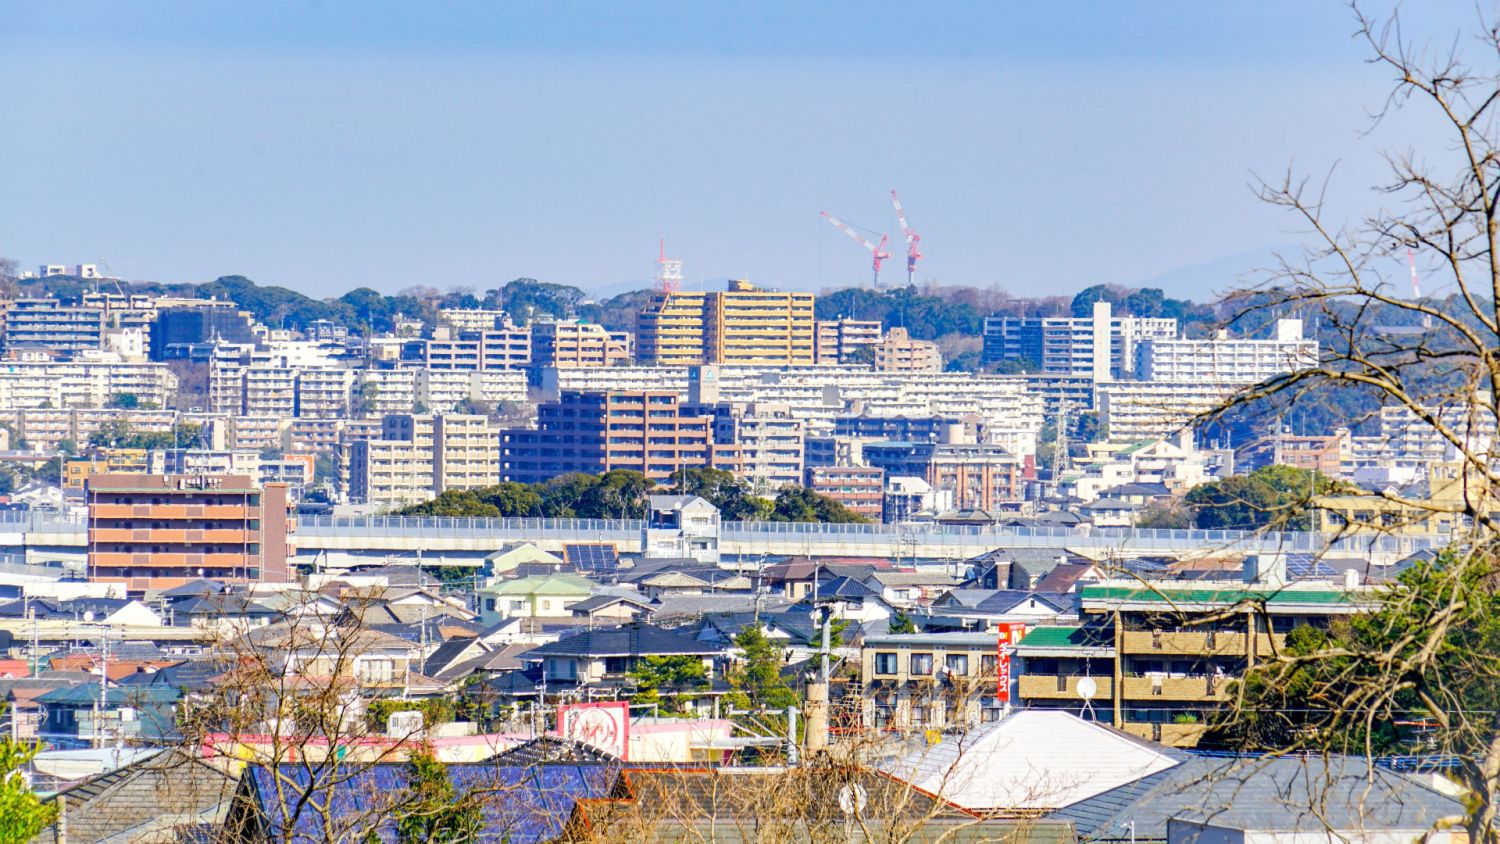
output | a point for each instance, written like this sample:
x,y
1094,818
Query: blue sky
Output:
x,y
1038,147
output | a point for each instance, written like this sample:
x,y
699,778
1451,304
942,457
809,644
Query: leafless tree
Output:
x,y
1431,654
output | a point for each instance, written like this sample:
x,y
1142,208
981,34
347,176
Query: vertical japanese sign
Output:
x,y
602,725
1010,634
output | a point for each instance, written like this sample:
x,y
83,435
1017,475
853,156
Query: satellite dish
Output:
x,y
852,799
1087,688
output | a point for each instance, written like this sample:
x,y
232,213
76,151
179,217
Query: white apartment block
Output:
x,y
44,429
83,384
770,438
387,473
1101,346
466,451
418,456
269,392
185,461
1225,360
386,391
1132,411
324,393
498,385
473,319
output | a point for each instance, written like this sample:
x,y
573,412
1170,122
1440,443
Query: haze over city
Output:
x,y
583,423
323,147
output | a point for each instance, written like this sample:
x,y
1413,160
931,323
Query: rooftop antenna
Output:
x,y
668,270
913,251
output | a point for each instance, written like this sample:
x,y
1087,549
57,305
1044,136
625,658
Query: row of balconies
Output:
x,y
1200,643
169,511
150,536
119,559
1208,688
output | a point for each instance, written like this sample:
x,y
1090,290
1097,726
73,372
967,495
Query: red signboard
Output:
x,y
602,725
1010,634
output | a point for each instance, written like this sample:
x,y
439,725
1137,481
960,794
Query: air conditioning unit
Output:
x,y
404,724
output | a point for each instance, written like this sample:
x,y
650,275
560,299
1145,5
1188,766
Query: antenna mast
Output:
x,y
1416,285
668,270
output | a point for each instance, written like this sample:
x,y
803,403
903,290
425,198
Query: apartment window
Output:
x,y
562,669
921,665
989,664
376,670
957,664
887,663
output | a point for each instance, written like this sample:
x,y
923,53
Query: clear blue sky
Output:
x,y
1041,147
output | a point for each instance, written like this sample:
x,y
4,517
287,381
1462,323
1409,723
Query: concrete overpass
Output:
x,y
337,542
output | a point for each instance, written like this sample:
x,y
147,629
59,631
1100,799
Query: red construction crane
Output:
x,y
878,252
913,252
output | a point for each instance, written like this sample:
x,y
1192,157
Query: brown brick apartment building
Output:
x,y
648,431
158,531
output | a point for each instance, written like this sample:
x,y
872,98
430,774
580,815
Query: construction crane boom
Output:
x,y
878,252
913,250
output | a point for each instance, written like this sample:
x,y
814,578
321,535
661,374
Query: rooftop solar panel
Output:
x,y
593,557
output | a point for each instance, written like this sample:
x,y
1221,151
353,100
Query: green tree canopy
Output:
x,y
1279,497
757,680
22,815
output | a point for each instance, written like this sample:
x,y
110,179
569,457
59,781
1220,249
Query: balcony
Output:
x,y
1061,687
1176,735
1184,642
1198,689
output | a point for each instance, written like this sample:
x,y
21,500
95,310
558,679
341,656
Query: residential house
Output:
x,y
929,680
545,596
603,658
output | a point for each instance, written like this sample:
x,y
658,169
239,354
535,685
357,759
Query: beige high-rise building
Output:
x,y
418,456
741,325
670,329
898,352
570,343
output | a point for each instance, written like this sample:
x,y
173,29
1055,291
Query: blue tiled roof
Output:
x,y
521,805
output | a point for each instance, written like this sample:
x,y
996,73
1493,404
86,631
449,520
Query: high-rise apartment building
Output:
x,y
419,456
979,475
504,346
859,488
647,431
1227,360
741,325
1101,346
571,344
839,340
898,352
157,531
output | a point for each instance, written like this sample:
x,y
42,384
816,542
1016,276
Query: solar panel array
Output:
x,y
592,557
1307,567
521,805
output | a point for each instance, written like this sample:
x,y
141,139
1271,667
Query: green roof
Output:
x,y
1054,637
1220,596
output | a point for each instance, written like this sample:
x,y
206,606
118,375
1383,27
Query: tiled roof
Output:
x,y
553,750
630,640
1220,596
148,800
1267,794
520,804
